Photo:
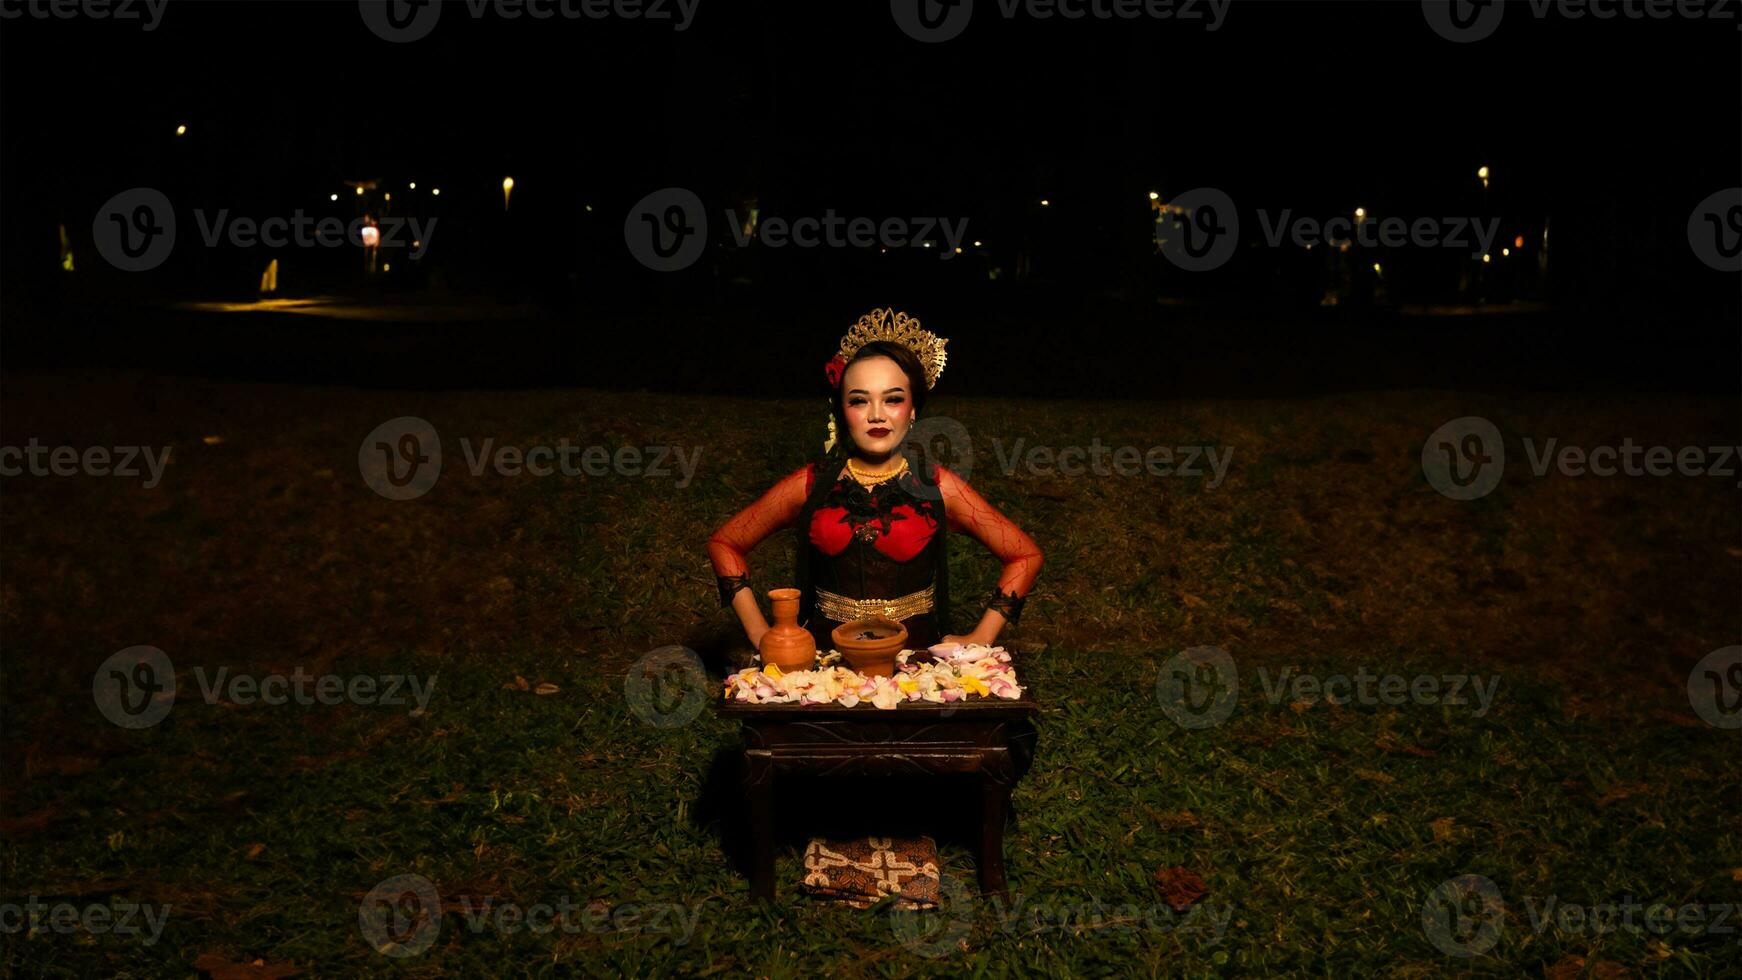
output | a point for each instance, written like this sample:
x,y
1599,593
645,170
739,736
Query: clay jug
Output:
x,y
787,645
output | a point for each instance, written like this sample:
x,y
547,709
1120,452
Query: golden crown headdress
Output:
x,y
886,324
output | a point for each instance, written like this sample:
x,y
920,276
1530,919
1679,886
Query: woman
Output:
x,y
874,529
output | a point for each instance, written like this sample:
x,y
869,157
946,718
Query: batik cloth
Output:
x,y
863,870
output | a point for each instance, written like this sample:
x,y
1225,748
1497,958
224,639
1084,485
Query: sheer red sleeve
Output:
x,y
969,512
735,539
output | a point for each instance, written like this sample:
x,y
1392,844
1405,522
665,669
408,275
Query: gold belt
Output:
x,y
844,610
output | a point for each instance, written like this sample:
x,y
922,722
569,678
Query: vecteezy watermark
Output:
x,y
302,231
838,232
1464,459
566,916
135,231
668,687
136,688
1551,914
570,460
942,931
1464,917
148,13
401,459
1715,230
1199,230
388,690
938,440
1031,917
1200,687
668,230
936,932
1464,21
943,440
1715,688
1101,460
114,918
932,21
402,916
39,460
400,21
1371,232
1369,689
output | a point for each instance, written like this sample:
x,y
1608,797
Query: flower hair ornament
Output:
x,y
885,324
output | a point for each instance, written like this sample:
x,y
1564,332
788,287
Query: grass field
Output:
x,y
1570,768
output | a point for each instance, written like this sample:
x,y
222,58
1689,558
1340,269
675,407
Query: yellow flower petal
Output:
x,y
772,671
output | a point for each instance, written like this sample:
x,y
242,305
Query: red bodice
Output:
x,y
885,517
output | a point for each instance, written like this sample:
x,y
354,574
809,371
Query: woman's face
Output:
x,y
879,405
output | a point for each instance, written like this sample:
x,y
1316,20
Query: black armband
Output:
x,y
729,586
1007,603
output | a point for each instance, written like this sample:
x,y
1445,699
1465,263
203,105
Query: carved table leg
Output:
x,y
995,789
759,789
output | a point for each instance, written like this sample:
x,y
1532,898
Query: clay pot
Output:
x,y
787,645
869,645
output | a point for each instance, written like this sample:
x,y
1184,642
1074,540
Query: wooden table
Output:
x,y
969,736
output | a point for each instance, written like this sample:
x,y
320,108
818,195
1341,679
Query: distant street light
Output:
x,y
1153,196
1482,172
370,235
1045,203
335,197
507,188
435,192
181,130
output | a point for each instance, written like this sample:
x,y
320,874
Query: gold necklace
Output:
x,y
868,480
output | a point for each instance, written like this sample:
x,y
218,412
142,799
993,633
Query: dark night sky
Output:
x,y
1311,105
1615,128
